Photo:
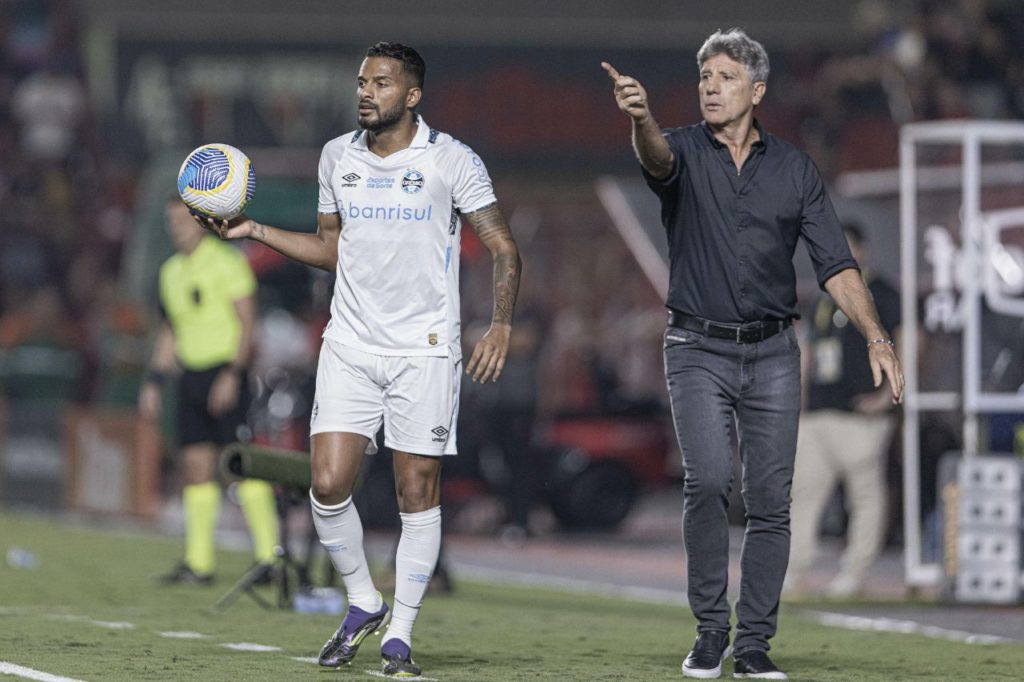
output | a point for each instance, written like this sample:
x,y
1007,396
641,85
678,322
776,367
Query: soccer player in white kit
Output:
x,y
392,195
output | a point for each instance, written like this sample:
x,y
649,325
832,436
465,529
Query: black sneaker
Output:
x,y
705,659
182,574
396,660
755,665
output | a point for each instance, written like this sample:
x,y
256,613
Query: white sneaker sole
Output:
x,y
777,675
707,673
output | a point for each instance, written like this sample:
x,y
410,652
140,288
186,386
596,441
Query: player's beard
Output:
x,y
385,119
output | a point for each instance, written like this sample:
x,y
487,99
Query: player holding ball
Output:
x,y
392,198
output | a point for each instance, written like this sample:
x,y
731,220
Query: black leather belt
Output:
x,y
748,332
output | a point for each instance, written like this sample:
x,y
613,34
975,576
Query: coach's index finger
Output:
x,y
612,73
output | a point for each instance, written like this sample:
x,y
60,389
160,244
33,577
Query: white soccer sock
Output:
x,y
341,534
415,561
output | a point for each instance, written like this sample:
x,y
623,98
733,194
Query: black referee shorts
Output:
x,y
195,423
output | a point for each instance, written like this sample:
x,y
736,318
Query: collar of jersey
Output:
x,y
420,141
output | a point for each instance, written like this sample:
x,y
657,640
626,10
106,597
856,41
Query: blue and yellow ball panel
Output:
x,y
217,180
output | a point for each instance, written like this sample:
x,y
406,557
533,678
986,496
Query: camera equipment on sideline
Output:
x,y
290,470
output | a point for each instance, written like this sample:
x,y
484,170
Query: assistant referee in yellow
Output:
x,y
208,300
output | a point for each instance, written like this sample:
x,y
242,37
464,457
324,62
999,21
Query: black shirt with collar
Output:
x,y
732,236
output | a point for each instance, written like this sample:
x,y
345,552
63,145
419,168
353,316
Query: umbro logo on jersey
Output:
x,y
440,433
350,179
412,181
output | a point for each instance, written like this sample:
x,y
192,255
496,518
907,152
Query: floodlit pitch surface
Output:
x,y
90,611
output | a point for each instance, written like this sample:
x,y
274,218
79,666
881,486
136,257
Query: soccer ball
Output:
x,y
217,180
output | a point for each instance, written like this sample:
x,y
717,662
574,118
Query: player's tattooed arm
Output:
x,y
488,358
492,228
319,250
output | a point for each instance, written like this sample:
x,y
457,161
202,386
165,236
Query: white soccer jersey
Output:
x,y
397,288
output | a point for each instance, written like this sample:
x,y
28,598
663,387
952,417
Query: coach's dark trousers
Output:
x,y
711,383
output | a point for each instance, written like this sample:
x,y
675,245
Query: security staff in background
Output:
x,y
734,201
844,431
208,298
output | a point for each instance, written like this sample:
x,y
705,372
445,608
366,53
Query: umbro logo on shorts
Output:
x,y
440,433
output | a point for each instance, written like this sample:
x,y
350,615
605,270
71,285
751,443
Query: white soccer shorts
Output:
x,y
417,398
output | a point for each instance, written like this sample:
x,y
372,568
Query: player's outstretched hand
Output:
x,y
884,361
488,357
239,227
629,94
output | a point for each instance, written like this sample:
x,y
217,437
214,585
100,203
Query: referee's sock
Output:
x,y
415,561
260,509
201,502
341,534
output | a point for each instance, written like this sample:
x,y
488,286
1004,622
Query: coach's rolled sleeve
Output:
x,y
821,230
670,183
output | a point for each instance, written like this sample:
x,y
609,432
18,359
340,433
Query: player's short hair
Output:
x,y
412,62
739,47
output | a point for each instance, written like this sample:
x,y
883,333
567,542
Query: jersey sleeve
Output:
x,y
163,283
326,202
471,185
240,282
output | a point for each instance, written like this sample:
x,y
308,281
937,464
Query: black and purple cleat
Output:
x,y
396,660
342,647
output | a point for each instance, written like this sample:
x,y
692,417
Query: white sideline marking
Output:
x,y
646,595
29,673
249,646
183,635
113,625
305,659
67,617
907,627
419,678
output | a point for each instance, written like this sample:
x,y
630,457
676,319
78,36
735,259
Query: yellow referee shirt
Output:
x,y
198,293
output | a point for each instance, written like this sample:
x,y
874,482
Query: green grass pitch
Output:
x,y
90,611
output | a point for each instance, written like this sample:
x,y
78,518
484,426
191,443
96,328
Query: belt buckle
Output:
x,y
739,334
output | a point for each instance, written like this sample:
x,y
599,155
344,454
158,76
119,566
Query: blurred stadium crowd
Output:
x,y
69,332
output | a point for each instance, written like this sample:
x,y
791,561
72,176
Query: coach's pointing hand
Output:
x,y
629,95
651,148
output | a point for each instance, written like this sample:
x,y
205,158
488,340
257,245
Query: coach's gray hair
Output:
x,y
739,47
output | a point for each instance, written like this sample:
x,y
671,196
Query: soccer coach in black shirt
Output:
x,y
734,200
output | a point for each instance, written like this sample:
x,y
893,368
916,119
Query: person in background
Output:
x,y
208,300
844,431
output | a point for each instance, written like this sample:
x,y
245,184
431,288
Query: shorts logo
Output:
x,y
350,179
316,411
412,181
440,433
